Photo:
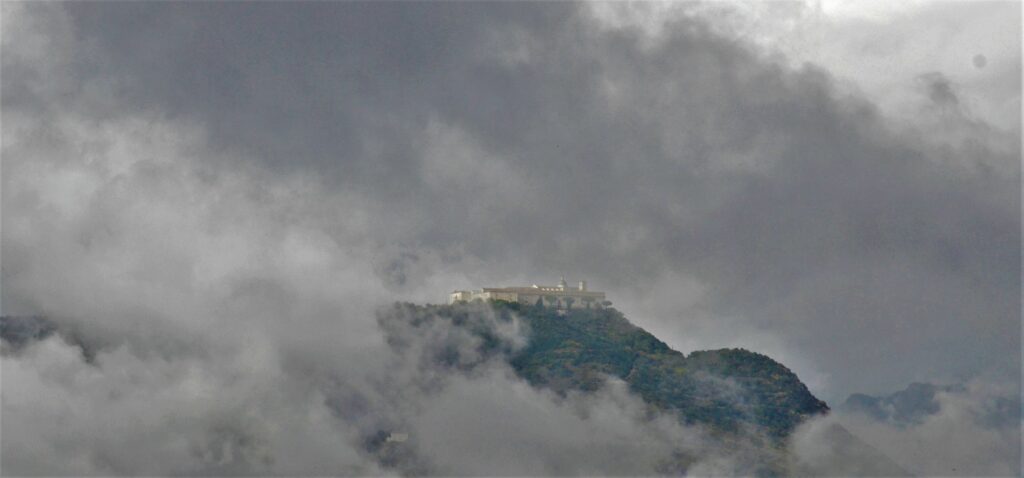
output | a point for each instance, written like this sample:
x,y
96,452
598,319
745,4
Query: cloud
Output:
x,y
939,89
229,414
974,432
253,410
497,426
878,50
193,183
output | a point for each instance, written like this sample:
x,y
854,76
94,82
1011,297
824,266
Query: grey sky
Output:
x,y
173,171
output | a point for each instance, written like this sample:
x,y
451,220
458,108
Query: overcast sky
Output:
x,y
837,187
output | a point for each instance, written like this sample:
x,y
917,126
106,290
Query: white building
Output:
x,y
560,296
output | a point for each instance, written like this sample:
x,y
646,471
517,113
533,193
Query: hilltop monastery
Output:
x,y
560,296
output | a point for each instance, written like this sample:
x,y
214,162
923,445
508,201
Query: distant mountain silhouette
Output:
x,y
914,404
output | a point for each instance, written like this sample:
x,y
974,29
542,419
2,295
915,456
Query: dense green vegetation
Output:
x,y
728,389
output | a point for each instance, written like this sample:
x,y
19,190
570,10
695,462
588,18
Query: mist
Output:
x,y
220,199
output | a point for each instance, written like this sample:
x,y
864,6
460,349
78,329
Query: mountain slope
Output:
x,y
728,390
725,388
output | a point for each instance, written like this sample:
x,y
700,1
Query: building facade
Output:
x,y
560,296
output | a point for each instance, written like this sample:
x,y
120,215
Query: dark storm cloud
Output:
x,y
342,87
585,151
285,168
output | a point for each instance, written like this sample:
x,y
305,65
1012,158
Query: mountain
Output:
x,y
750,404
905,407
919,401
16,332
727,390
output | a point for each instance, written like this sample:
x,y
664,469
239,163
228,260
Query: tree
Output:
x,y
606,303
587,301
539,303
568,302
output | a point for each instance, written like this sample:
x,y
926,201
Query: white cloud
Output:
x,y
231,412
972,434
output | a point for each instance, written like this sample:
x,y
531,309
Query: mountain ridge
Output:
x,y
728,390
